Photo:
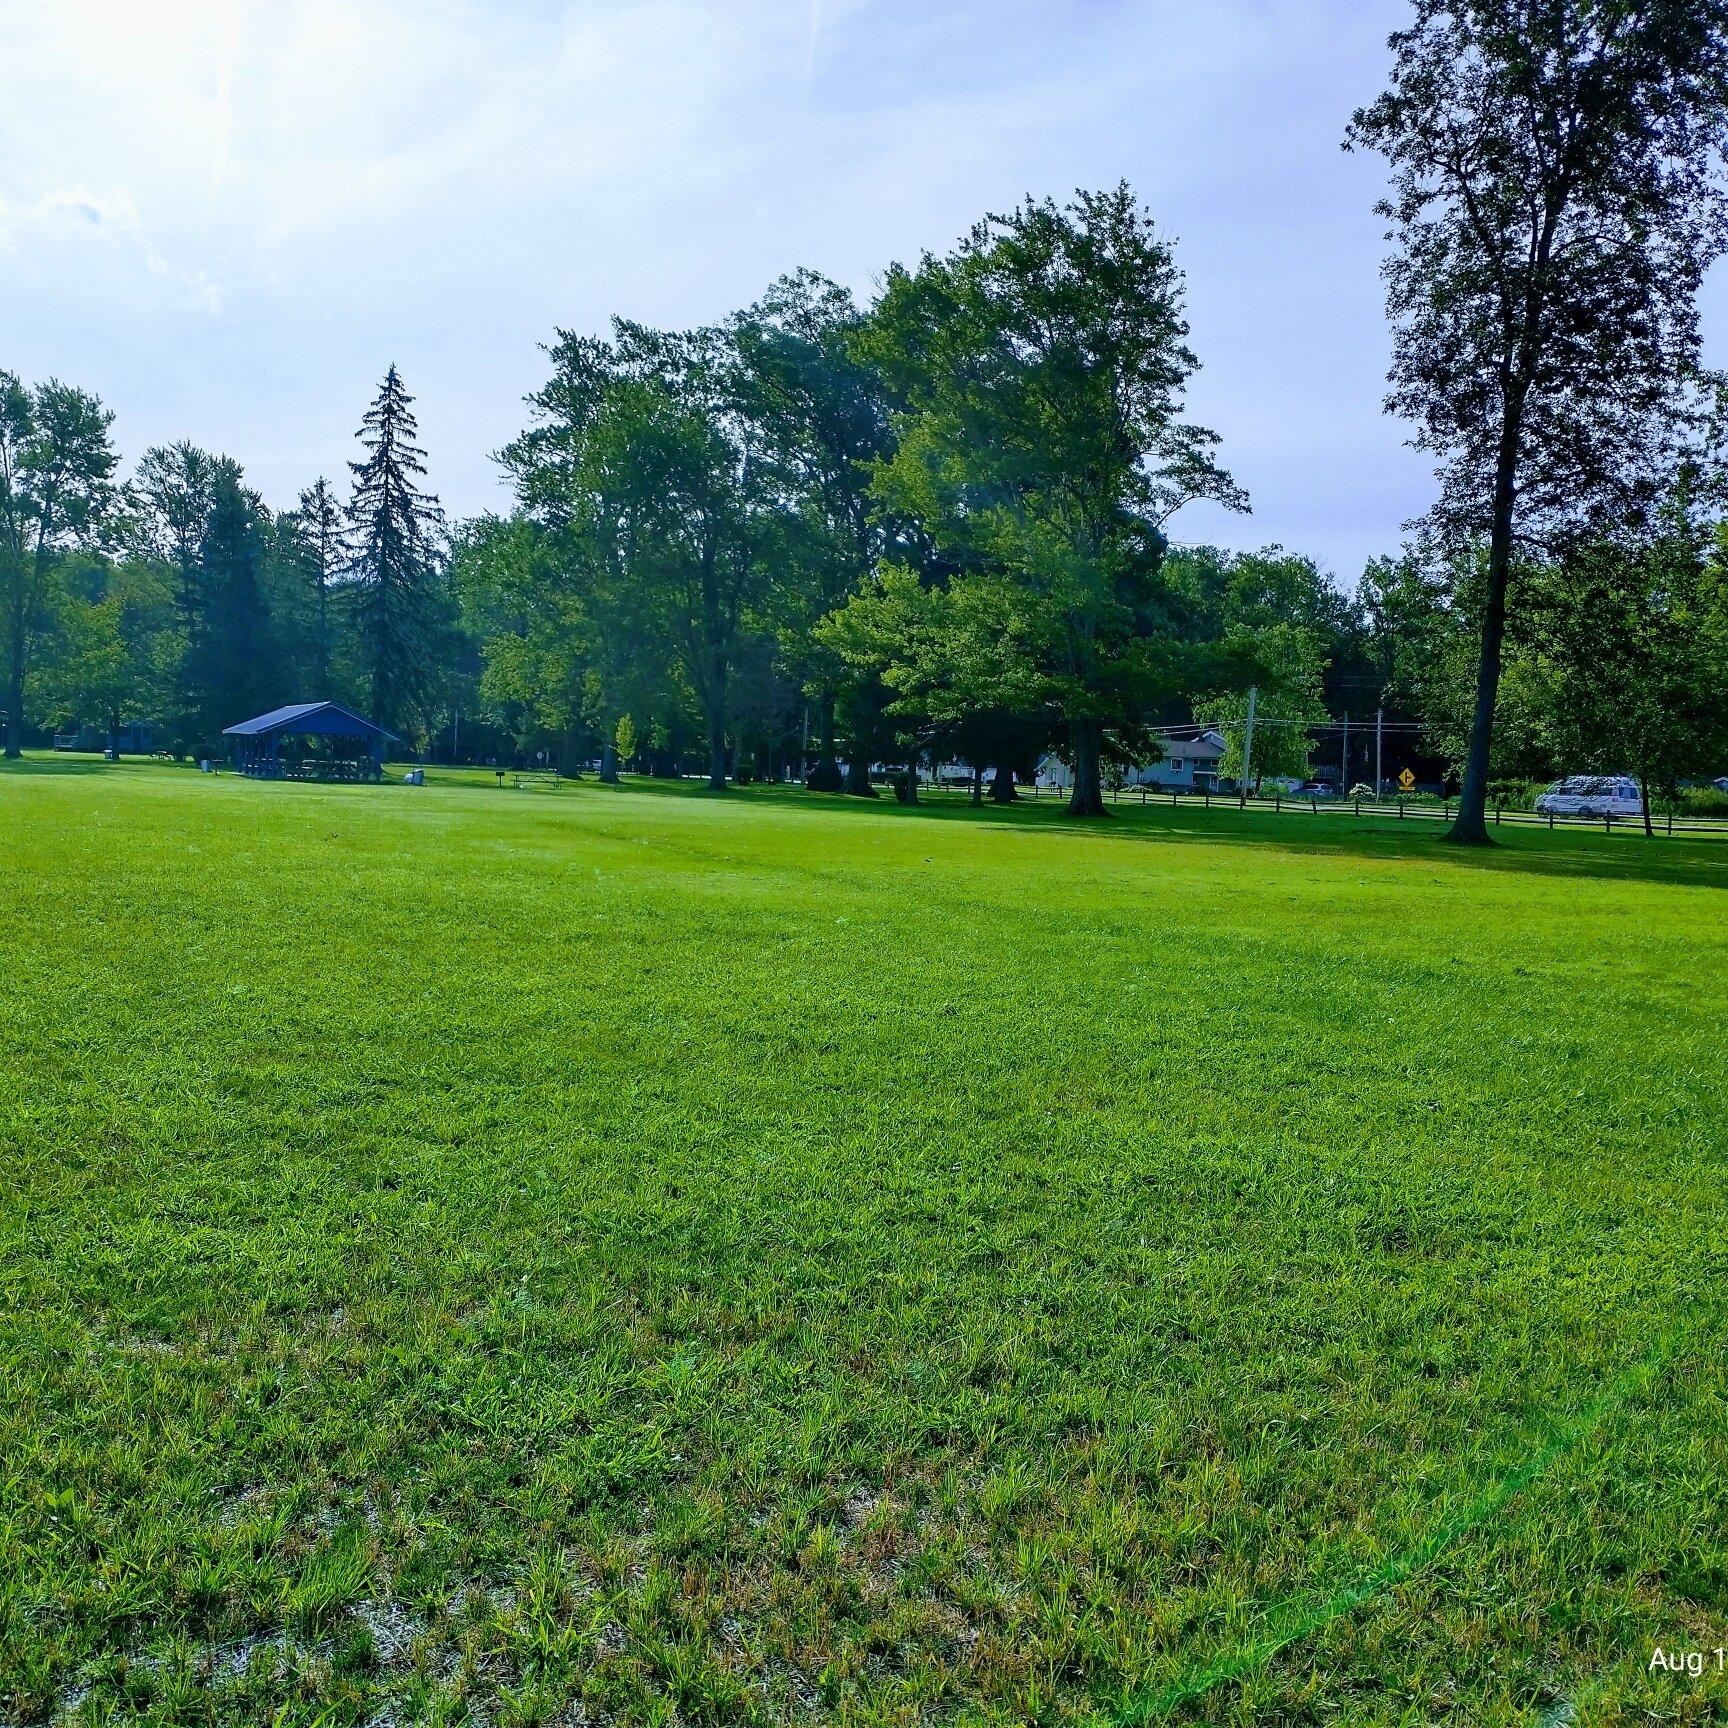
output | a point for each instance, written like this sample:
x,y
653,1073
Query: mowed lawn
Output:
x,y
470,1255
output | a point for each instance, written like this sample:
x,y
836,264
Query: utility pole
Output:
x,y
1379,716
1248,741
1344,782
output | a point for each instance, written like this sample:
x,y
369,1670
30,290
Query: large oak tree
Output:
x,y
1042,366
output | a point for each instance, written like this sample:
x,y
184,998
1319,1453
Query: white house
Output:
x,y
1188,765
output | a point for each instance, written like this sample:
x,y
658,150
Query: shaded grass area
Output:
x,y
630,1256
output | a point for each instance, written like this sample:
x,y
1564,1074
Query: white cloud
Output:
x,y
441,182
74,225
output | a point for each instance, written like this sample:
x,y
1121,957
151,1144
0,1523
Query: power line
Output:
x,y
1269,720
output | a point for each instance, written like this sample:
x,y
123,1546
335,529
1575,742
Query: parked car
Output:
x,y
1591,795
1316,789
1721,785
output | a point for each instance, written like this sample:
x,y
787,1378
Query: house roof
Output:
x,y
1207,744
330,719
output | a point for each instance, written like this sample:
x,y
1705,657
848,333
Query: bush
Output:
x,y
1515,794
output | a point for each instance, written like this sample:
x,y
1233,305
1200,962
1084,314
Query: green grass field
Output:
x,y
585,1257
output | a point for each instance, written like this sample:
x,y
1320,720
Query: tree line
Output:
x,y
177,596
820,535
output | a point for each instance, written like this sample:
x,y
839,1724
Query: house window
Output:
x,y
1175,764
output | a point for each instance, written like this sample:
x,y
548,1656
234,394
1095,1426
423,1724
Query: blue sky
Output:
x,y
228,218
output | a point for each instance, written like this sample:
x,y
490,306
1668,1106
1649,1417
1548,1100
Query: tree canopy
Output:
x,y
936,526
1557,196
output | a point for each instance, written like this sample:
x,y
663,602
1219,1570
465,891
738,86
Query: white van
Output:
x,y
1592,795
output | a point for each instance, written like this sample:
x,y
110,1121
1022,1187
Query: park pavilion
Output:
x,y
309,741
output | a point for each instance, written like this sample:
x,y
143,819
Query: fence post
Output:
x,y
1608,822
1278,802
1400,809
1550,821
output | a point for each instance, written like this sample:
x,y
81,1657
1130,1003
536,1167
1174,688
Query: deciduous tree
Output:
x,y
1042,366
1633,640
1556,198
56,489
822,418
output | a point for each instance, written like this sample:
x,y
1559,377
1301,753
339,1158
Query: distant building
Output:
x,y
309,741
135,738
1187,765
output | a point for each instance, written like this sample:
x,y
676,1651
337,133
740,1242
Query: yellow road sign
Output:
x,y
1406,781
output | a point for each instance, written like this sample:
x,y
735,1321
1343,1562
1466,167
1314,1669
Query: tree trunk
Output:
x,y
858,778
825,776
1087,798
1470,826
717,746
719,669
977,786
1644,799
906,785
1002,786
608,763
15,693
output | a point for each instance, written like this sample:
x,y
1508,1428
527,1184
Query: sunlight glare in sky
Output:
x,y
228,217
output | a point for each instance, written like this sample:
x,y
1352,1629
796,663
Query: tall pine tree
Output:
x,y
173,492
321,536
397,528
232,666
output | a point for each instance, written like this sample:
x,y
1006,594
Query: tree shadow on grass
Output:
x,y
1330,833
1517,850
1627,856
51,767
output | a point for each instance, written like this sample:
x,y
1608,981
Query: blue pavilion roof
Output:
x,y
326,719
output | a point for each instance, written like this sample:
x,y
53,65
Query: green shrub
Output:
x,y
1702,801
